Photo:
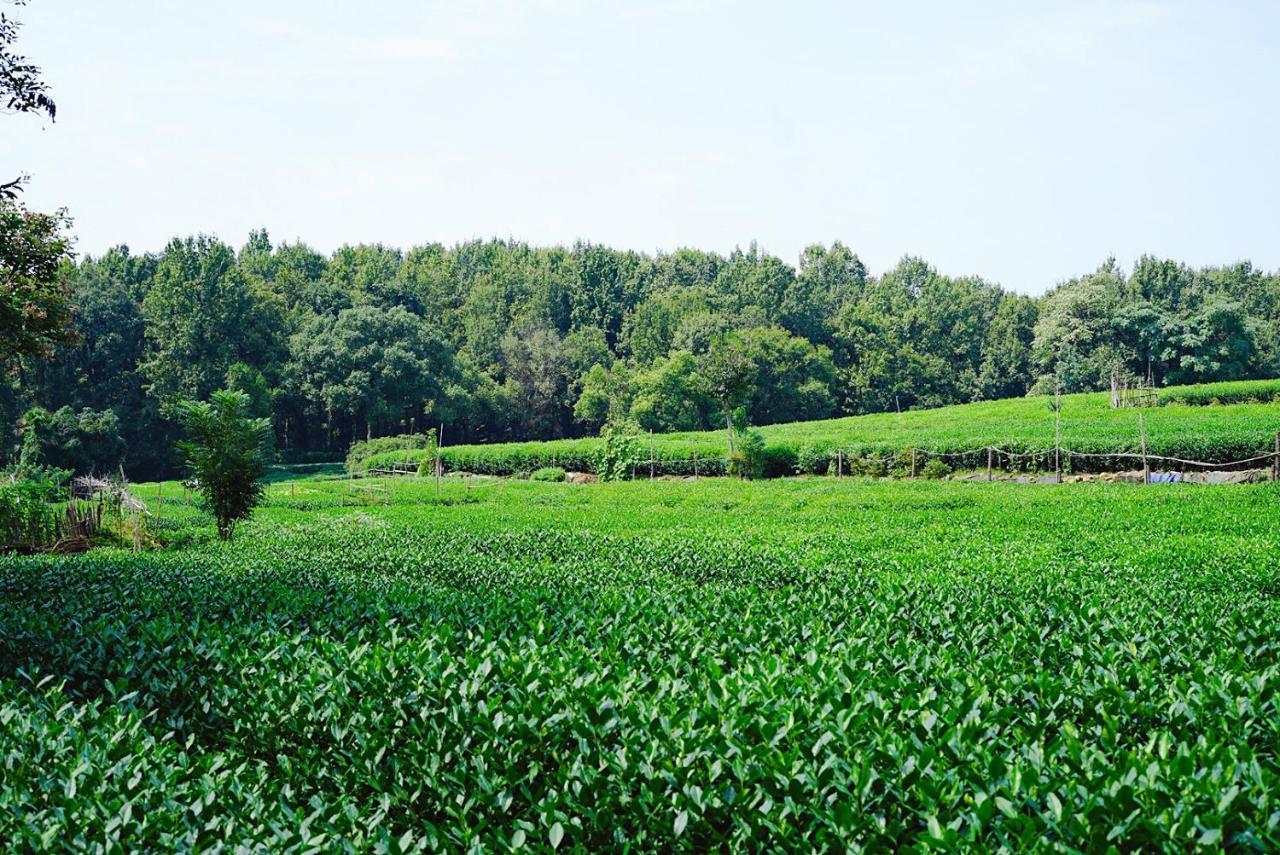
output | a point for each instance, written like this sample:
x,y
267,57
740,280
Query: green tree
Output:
x,y
200,318
1219,342
35,303
377,369
536,362
672,396
605,395
794,380
21,89
226,452
828,280
728,376
84,442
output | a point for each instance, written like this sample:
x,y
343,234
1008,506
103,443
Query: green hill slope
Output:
x,y
1214,423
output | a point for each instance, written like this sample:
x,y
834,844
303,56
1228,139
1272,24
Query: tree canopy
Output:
x,y
500,340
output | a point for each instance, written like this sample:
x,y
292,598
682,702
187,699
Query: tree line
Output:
x,y
499,340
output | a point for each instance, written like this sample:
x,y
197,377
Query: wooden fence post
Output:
x,y
1146,469
650,454
839,462
1057,436
913,463
989,454
1275,461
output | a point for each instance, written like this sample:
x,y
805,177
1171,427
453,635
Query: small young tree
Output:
x,y
730,376
226,453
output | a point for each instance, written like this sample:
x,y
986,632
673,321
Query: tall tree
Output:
x,y
728,375
201,317
373,370
35,305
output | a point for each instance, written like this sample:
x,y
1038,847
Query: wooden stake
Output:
x,y
913,463
839,462
1057,433
695,459
1275,461
1142,428
650,454
990,453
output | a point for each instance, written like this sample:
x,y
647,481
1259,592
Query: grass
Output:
x,y
1181,428
682,666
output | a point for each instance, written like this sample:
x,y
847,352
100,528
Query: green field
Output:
x,y
1241,422
808,664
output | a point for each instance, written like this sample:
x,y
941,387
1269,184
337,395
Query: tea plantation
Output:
x,y
805,664
1212,422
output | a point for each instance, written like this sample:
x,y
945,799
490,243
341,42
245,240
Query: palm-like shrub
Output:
x,y
226,452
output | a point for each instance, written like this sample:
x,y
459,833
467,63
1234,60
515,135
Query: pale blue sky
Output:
x,y
1022,141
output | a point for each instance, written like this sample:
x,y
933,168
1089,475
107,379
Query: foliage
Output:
x,y
201,318
83,442
360,453
728,375
549,474
672,395
747,455
29,516
618,453
35,307
21,89
900,666
815,459
1237,392
501,341
1023,426
226,453
372,368
934,468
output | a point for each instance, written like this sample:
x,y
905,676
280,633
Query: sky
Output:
x,y
1021,141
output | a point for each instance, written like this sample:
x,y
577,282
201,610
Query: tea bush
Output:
x,y
1244,425
749,666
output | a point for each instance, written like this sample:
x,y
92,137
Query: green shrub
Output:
x,y
1216,394
227,454
814,459
778,460
360,454
934,469
747,459
618,454
550,474
29,516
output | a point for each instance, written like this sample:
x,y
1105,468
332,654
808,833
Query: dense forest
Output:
x,y
499,340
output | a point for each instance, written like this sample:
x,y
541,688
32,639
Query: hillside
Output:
x,y
1215,423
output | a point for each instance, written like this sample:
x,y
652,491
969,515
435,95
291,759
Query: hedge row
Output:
x,y
1234,392
784,459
